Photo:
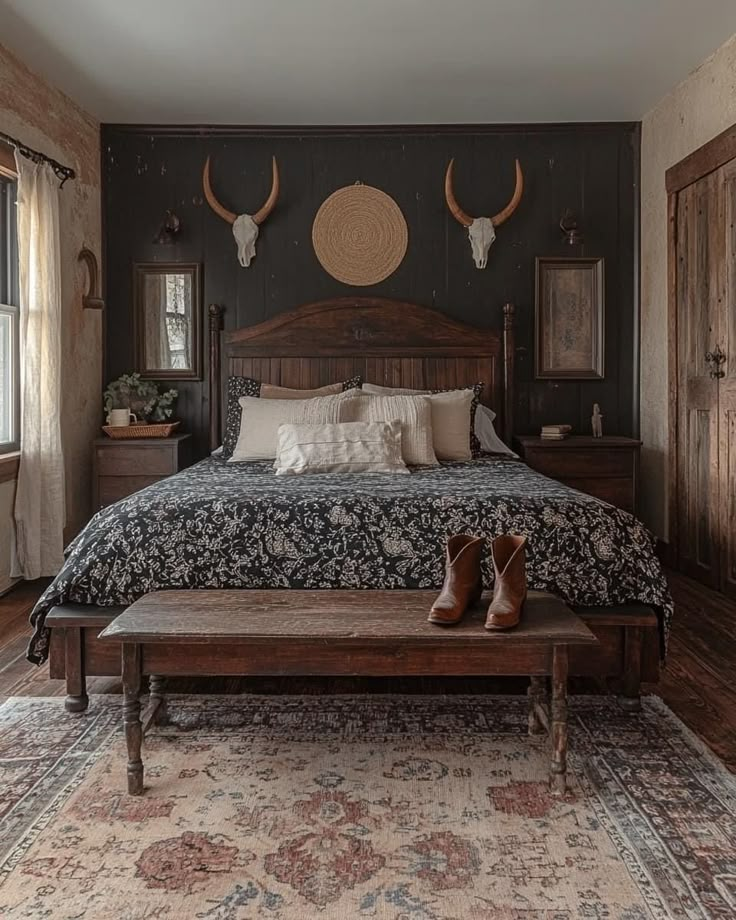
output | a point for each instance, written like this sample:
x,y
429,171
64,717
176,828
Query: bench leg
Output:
x,y
630,697
537,696
157,700
76,684
558,718
132,716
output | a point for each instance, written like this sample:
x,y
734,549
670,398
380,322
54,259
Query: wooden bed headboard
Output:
x,y
385,341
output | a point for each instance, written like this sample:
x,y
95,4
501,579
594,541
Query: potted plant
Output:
x,y
141,397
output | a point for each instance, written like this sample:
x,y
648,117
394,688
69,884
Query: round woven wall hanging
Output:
x,y
359,235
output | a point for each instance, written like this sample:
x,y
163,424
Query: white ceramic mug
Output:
x,y
119,418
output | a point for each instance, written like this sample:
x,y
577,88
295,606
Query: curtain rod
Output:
x,y
62,172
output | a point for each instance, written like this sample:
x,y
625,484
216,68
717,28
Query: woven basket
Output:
x,y
142,430
359,235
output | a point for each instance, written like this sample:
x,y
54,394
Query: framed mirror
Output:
x,y
167,310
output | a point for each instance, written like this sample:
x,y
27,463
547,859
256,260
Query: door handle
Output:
x,y
716,359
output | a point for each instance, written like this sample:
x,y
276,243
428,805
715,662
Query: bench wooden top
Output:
x,y
342,617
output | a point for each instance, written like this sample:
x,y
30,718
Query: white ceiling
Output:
x,y
365,61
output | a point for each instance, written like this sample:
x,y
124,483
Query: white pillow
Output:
x,y
414,413
347,447
261,418
486,433
451,424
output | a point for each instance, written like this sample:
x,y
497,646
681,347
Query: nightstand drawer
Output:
x,y
113,488
560,463
124,466
605,467
129,461
618,491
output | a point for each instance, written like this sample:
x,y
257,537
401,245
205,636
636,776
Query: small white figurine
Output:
x,y
596,421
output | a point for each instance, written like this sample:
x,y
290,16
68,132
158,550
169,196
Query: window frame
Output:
x,y
9,291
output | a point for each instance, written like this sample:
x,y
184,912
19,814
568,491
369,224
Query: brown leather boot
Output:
x,y
509,588
463,581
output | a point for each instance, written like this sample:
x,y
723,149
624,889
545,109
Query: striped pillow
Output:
x,y
414,413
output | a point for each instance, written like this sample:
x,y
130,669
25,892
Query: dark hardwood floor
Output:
x,y
698,683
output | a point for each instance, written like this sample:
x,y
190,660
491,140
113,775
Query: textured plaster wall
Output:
x,y
47,120
693,113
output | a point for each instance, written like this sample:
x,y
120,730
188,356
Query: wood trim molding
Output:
x,y
316,130
7,161
672,375
702,161
9,464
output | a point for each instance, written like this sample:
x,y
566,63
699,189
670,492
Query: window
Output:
x,y
9,350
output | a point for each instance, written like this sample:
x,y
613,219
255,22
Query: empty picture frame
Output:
x,y
569,312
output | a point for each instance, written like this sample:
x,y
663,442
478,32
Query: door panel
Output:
x,y
700,248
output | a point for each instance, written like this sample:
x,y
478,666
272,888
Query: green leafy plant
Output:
x,y
142,397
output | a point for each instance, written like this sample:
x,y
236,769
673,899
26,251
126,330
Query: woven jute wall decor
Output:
x,y
359,235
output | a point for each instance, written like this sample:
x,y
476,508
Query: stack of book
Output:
x,y
555,432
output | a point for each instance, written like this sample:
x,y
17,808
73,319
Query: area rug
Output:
x,y
408,808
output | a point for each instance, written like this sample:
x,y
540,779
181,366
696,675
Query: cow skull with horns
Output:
x,y
245,226
482,230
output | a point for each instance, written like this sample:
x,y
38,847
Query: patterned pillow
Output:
x,y
247,386
475,446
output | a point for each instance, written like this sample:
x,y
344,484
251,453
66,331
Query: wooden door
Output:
x,y
727,387
700,254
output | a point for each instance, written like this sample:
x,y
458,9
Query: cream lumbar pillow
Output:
x,y
414,413
346,447
261,419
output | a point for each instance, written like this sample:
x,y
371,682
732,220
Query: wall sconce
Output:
x,y
91,300
168,231
569,226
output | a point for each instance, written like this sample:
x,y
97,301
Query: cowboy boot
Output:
x,y
509,587
463,583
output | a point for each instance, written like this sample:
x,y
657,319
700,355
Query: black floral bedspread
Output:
x,y
220,525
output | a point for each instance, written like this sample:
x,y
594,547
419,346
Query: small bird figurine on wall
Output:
x,y
596,421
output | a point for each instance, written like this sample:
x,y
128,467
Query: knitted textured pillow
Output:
x,y
261,419
414,413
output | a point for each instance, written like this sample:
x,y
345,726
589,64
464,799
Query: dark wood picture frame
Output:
x,y
580,282
142,270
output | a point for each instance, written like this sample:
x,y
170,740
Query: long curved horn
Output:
x,y
457,212
210,196
263,213
515,199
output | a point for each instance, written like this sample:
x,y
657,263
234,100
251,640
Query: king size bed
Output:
x,y
238,525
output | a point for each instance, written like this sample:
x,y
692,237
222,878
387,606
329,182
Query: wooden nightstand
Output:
x,y
606,467
120,468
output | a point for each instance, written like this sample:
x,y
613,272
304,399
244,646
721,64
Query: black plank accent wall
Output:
x,y
592,169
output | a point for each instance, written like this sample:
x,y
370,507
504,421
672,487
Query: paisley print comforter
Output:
x,y
220,525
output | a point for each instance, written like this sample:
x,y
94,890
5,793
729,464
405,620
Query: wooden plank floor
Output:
x,y
698,683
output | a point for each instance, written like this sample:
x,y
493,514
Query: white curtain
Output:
x,y
39,502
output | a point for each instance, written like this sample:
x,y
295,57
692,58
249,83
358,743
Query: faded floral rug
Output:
x,y
342,807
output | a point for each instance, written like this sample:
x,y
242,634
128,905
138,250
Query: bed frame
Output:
x,y
391,343
385,341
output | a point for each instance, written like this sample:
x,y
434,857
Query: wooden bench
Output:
x,y
358,633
